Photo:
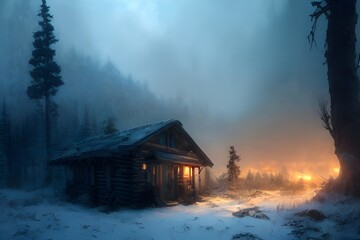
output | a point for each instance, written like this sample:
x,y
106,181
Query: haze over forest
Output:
x,y
231,77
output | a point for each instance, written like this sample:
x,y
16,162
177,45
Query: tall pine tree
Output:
x,y
46,72
232,167
5,145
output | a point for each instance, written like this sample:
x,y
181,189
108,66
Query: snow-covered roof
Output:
x,y
119,140
122,141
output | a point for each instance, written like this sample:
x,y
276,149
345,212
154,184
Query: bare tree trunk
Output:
x,y
344,92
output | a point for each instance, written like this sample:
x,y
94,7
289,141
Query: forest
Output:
x,y
158,120
82,111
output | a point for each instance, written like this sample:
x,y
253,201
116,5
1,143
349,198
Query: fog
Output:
x,y
235,73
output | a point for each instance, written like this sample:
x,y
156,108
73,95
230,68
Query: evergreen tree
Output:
x,y
94,125
110,126
249,176
5,131
46,72
85,131
5,145
232,167
279,180
258,180
249,180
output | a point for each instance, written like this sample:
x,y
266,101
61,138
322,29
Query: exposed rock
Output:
x,y
251,212
313,214
245,236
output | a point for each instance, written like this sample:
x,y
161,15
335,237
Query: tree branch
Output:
x,y
321,8
325,116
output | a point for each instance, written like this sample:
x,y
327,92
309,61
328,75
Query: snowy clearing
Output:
x,y
41,215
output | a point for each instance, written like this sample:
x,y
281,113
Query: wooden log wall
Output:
x,y
100,183
129,184
121,180
141,189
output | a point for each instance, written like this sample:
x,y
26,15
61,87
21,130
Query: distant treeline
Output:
x,y
259,181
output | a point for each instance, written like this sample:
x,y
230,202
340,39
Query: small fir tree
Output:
x,y
46,72
249,176
232,167
85,131
110,126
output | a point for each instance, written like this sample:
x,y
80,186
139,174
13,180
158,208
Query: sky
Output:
x,y
193,50
244,68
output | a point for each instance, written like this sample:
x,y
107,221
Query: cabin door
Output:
x,y
171,182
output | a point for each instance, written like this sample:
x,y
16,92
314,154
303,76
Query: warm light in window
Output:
x,y
143,166
186,172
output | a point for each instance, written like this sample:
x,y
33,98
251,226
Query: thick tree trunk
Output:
x,y
344,92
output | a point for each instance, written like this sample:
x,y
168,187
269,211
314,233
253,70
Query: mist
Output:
x,y
237,73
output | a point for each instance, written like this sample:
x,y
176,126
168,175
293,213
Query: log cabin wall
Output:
x,y
135,179
100,182
148,170
141,189
78,181
119,192
128,181
119,175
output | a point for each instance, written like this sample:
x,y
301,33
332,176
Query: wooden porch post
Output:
x,y
199,180
193,179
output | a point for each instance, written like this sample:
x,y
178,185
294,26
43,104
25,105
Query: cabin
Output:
x,y
157,164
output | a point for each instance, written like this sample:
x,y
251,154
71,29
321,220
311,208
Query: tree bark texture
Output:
x,y
47,134
344,92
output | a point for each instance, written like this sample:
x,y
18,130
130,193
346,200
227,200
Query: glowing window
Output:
x,y
143,166
186,173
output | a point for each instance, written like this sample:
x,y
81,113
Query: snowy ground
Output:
x,y
41,215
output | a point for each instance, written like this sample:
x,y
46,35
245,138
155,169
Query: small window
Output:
x,y
143,166
173,140
161,140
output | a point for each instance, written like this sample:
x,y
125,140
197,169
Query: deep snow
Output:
x,y
42,215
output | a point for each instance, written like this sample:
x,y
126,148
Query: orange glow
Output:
x,y
337,170
186,172
304,177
